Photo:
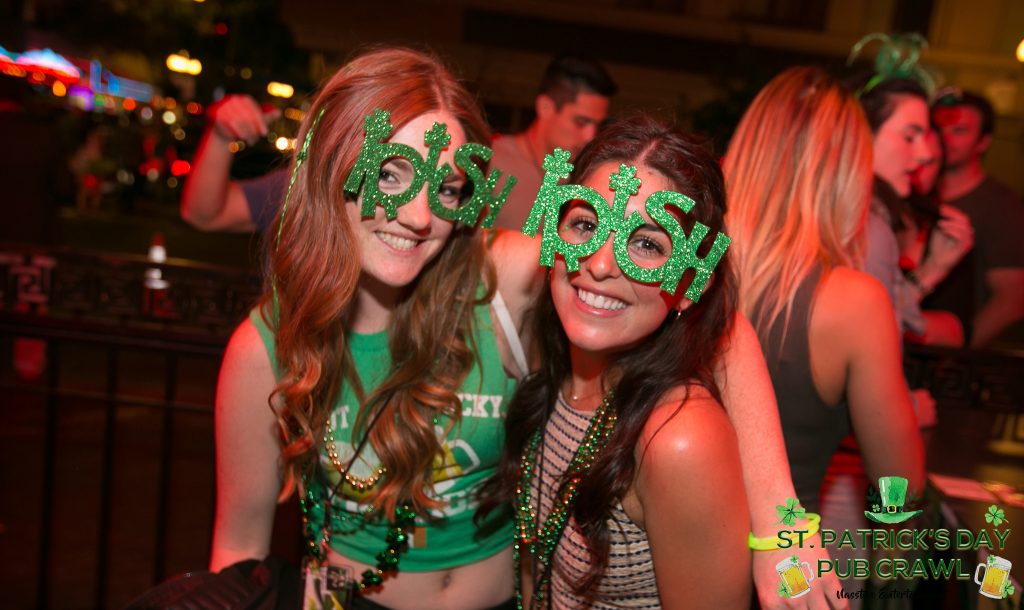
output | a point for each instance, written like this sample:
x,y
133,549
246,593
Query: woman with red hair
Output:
x,y
376,344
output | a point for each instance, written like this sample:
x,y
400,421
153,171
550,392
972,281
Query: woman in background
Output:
x,y
798,174
897,112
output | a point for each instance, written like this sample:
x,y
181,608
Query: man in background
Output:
x,y
986,290
211,201
571,104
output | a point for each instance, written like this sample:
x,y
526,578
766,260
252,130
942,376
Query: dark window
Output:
x,y
799,14
912,16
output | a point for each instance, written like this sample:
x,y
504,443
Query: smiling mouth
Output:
x,y
599,301
396,242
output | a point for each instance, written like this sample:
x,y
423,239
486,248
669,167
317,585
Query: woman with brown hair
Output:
x,y
376,344
623,465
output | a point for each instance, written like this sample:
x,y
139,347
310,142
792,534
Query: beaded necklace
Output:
x,y
541,540
397,537
359,484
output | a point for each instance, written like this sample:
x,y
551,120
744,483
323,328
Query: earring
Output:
x,y
679,314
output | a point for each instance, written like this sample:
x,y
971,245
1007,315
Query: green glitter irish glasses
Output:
x,y
411,172
612,218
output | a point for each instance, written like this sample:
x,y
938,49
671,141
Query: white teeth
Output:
x,y
398,243
599,301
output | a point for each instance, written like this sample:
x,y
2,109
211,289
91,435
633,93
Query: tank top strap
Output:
x,y
508,328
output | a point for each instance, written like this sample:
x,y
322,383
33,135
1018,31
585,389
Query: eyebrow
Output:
x,y
651,227
401,162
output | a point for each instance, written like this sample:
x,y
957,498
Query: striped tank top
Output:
x,y
628,581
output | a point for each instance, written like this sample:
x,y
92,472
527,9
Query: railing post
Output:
x,y
49,460
166,454
106,478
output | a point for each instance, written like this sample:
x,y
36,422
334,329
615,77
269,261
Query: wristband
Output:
x,y
771,543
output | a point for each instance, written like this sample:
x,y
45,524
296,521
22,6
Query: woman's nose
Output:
x,y
602,264
416,215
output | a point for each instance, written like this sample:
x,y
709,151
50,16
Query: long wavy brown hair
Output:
x,y
315,271
682,351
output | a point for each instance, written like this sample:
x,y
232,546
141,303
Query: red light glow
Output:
x,y
180,168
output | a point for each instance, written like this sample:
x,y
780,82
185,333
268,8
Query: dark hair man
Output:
x,y
989,282
571,103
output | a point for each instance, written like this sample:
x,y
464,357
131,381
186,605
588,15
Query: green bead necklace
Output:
x,y
401,526
397,537
541,541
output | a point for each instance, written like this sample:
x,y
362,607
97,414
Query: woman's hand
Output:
x,y
952,238
822,595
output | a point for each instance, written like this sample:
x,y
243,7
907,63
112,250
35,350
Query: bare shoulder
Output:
x,y
850,299
246,349
507,247
246,372
516,258
685,433
684,449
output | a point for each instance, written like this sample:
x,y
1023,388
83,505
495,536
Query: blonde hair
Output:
x,y
798,179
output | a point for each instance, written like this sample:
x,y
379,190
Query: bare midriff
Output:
x,y
475,586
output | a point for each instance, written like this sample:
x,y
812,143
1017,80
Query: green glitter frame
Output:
x,y
376,151
544,217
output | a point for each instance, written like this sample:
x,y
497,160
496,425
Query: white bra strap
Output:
x,y
511,334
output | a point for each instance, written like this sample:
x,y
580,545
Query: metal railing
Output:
x,y
963,378
94,315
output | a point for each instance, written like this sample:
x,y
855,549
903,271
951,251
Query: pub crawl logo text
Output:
x,y
993,575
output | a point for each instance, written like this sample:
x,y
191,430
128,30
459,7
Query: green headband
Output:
x,y
897,58
375,152
300,158
552,196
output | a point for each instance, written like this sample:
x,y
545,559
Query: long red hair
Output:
x,y
315,270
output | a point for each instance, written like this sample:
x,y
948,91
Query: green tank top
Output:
x,y
448,537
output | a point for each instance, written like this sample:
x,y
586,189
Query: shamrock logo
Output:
x,y
783,591
1008,589
789,513
996,516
